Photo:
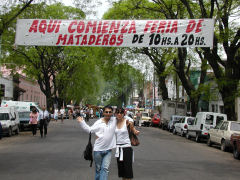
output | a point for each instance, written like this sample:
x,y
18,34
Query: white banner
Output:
x,y
116,33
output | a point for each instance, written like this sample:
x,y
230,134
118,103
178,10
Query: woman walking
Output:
x,y
34,121
124,151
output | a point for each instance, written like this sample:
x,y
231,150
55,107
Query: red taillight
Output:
x,y
205,133
185,126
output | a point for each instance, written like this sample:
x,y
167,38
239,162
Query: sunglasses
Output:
x,y
120,112
108,112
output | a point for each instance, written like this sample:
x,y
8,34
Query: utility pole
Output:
x,y
154,103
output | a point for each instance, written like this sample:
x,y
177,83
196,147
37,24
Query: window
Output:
x,y
181,106
218,125
24,115
2,90
235,126
213,108
209,119
190,121
4,116
224,126
171,105
219,119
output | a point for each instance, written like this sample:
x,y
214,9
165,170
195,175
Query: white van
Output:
x,y
203,123
21,105
9,120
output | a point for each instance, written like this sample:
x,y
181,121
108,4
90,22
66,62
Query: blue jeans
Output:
x,y
102,162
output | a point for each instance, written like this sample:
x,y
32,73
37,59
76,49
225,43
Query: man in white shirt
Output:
x,y
44,117
104,129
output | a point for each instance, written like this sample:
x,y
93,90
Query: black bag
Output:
x,y
88,152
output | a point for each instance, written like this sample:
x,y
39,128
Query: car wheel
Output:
x,y
197,139
236,154
17,131
188,136
209,142
182,133
10,132
223,145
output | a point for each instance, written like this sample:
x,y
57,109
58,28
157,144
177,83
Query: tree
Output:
x,y
160,57
8,17
226,35
120,77
54,68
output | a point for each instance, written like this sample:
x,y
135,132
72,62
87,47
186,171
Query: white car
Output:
x,y
146,119
182,126
221,134
9,120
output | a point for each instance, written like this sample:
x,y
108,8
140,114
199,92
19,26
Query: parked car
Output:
x,y
156,119
235,142
146,119
174,119
221,134
203,123
182,126
24,118
9,120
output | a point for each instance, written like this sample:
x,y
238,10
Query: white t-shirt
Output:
x,y
62,111
122,135
43,114
56,112
105,132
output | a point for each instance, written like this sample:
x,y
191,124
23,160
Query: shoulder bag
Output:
x,y
88,152
133,138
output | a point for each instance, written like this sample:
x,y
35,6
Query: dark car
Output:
x,y
24,118
156,119
235,142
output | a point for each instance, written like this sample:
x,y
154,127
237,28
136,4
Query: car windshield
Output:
x,y
145,114
4,116
190,120
24,114
235,126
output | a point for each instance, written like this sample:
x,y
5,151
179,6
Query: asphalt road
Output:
x,y
160,155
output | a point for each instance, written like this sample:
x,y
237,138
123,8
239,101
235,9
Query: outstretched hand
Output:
x,y
137,132
79,119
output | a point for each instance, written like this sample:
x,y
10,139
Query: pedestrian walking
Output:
x,y
91,113
34,121
70,114
138,118
87,113
62,112
104,129
124,151
44,119
56,112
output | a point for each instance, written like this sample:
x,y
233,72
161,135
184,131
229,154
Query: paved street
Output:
x,y
161,155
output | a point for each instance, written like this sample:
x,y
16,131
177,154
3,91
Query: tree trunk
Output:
x,y
162,86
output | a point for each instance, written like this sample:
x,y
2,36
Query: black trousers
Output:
x,y
34,129
43,126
